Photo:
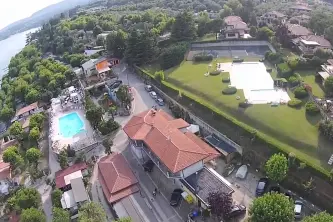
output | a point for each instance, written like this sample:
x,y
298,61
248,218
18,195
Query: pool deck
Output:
x,y
55,134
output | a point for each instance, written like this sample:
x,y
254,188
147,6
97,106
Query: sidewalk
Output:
x,y
159,204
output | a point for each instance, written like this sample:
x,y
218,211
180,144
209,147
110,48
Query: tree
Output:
x,y
253,31
264,33
25,198
100,41
108,147
12,156
94,115
123,96
33,155
60,215
36,120
159,76
32,96
272,207
56,197
6,113
63,159
220,203
277,167
16,130
32,215
116,43
184,27
34,134
328,84
226,11
92,212
97,30
319,217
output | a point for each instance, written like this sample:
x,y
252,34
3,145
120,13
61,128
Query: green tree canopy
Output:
x,y
264,33
184,27
319,217
16,129
32,215
56,197
60,215
159,76
36,120
12,156
328,84
63,159
92,212
33,155
277,167
116,43
271,207
34,134
25,198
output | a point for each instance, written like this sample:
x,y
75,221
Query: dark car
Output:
x,y
275,189
176,197
116,84
148,166
288,194
261,186
236,210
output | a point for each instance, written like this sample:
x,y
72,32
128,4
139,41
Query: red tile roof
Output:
x,y
60,175
116,177
5,171
27,109
298,30
232,18
324,43
173,147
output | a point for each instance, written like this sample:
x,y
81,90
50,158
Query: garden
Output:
x,y
295,124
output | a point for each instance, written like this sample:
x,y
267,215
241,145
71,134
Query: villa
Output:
x,y
27,111
96,71
327,70
179,154
235,28
295,31
270,17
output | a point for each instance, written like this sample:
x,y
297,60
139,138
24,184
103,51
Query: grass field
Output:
x,y
290,126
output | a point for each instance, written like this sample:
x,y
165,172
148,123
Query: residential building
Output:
x,y
295,31
270,18
63,177
300,19
27,111
327,70
300,9
96,70
234,28
307,45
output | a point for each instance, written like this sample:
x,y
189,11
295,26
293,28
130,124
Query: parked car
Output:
x,y
160,102
176,197
153,94
241,172
236,210
115,84
288,194
261,186
148,88
298,209
148,166
276,189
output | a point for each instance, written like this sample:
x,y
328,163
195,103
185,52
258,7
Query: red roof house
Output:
x,y
168,139
116,178
27,109
5,172
60,175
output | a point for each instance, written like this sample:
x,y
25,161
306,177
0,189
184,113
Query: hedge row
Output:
x,y
270,141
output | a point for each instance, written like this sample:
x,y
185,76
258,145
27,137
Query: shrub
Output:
x,y
284,70
226,79
203,57
300,92
311,108
215,72
295,103
229,91
293,81
243,105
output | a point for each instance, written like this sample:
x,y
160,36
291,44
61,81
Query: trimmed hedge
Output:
x,y
271,142
229,91
203,57
226,79
215,73
293,80
295,103
300,92
311,108
284,70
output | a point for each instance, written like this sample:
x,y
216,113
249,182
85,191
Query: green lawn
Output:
x,y
290,126
309,78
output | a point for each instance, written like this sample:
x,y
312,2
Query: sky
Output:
x,y
13,10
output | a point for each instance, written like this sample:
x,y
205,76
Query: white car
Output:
x,y
148,88
298,209
153,94
241,172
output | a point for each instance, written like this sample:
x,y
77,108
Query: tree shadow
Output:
x,y
313,119
324,151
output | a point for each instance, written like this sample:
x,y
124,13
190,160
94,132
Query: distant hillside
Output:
x,y
41,16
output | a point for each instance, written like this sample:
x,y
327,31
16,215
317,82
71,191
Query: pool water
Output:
x,y
70,125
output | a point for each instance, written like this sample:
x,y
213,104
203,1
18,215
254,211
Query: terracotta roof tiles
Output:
x,y
27,109
60,175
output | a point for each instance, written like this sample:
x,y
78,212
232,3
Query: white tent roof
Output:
x,y
193,128
74,94
69,177
67,200
71,89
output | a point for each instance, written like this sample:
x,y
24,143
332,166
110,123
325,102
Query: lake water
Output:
x,y
10,47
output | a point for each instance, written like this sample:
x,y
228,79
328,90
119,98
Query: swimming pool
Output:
x,y
70,125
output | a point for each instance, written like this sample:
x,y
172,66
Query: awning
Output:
x,y
324,75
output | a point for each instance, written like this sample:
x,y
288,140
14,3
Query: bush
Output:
x,y
229,91
273,57
293,81
226,79
172,55
300,92
107,127
203,57
311,108
215,73
295,103
243,105
284,70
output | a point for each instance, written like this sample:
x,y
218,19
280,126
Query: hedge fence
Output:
x,y
274,144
